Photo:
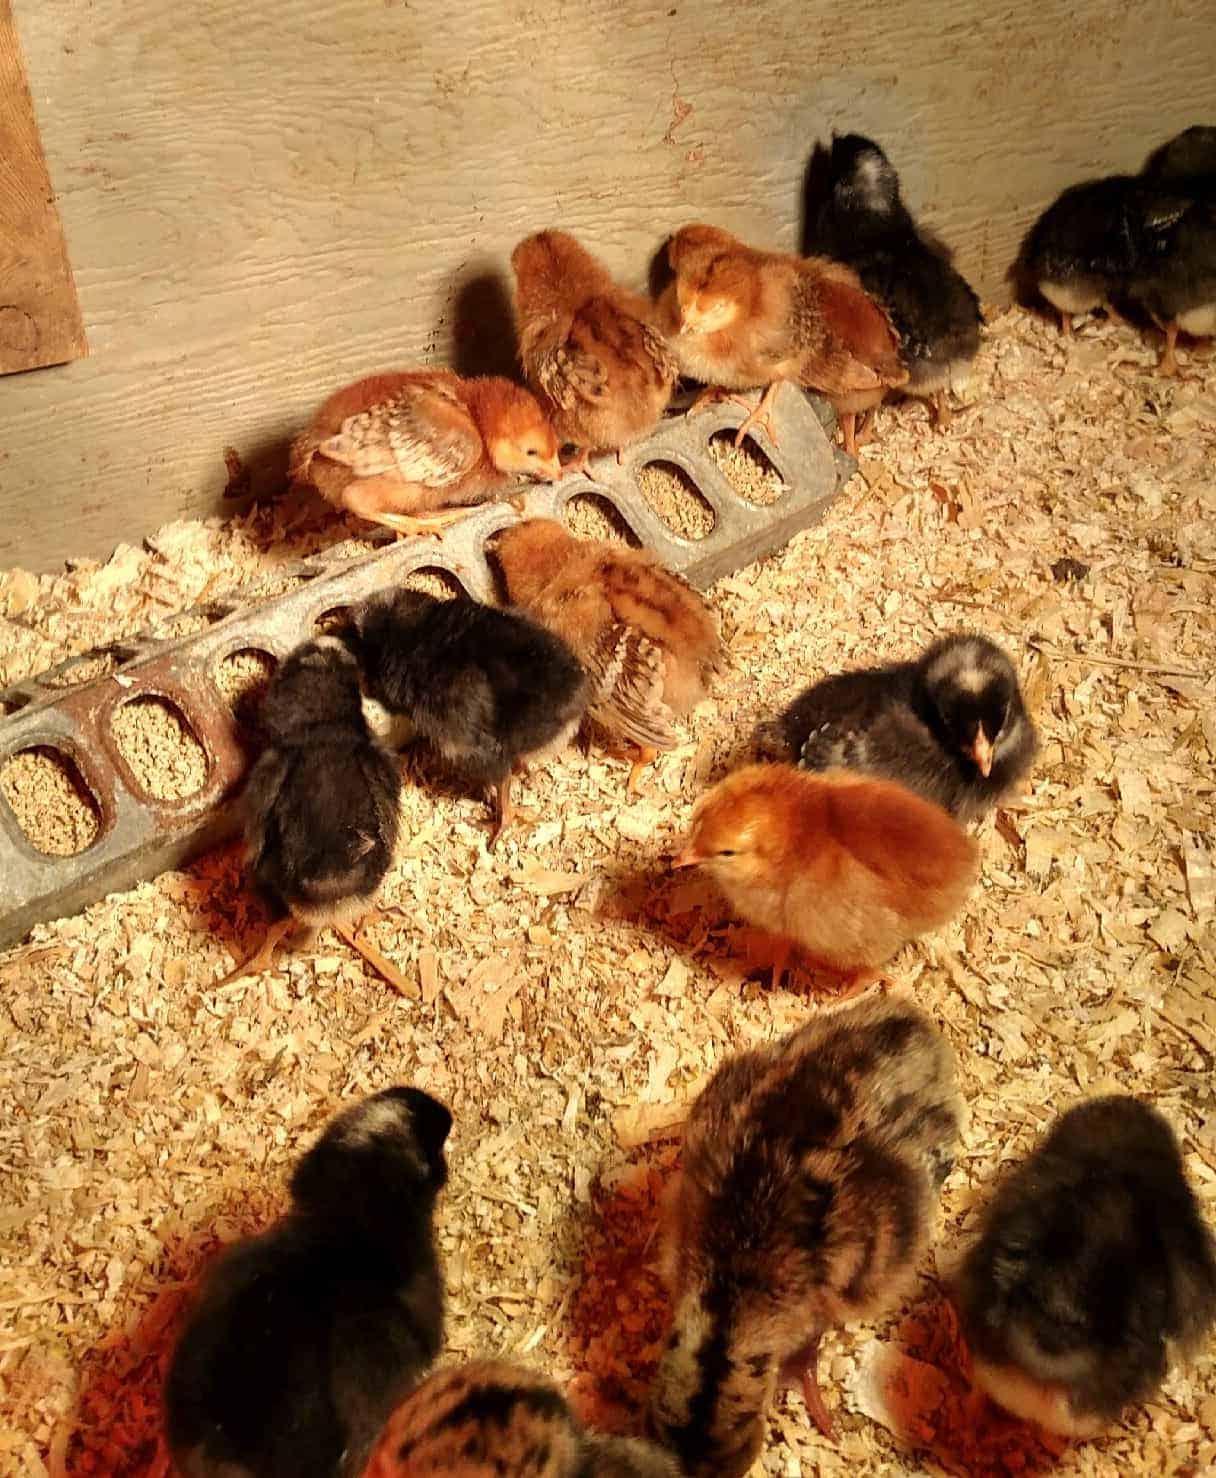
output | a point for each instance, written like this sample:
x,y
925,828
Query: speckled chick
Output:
x,y
808,1182
648,641
306,1337
951,725
1092,1270
848,867
415,449
321,802
863,222
489,1419
589,348
486,689
1187,155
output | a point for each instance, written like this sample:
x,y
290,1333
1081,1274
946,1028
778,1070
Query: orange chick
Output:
x,y
737,318
849,867
398,446
647,639
589,348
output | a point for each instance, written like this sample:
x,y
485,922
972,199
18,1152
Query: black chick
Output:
x,y
1092,1261
321,803
306,1337
951,725
1188,154
1177,286
485,689
864,222
1098,239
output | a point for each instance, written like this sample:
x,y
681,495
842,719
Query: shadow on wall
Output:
x,y
483,330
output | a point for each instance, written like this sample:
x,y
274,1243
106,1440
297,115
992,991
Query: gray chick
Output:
x,y
489,1419
306,1337
951,725
1093,1265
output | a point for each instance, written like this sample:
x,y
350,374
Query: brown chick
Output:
x,y
846,865
808,1178
647,639
588,348
489,1419
737,318
404,444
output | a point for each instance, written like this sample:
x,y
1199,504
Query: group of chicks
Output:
x,y
810,1172
1143,242
810,1167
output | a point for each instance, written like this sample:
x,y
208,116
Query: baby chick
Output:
x,y
321,801
864,223
485,689
306,1337
588,348
1093,1264
950,725
809,1174
489,1419
1177,286
849,868
399,445
738,318
647,639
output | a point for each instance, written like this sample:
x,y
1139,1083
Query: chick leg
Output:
x,y
781,961
580,465
381,964
263,956
762,416
848,432
711,395
433,525
1065,323
503,811
1168,363
800,1370
942,414
645,756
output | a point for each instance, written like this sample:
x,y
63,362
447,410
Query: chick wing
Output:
x,y
423,433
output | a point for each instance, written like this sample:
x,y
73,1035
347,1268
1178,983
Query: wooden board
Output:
x,y
40,319
273,199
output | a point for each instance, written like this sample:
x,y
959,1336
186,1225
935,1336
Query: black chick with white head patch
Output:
x,y
952,725
863,221
306,1337
485,689
321,801
1092,1264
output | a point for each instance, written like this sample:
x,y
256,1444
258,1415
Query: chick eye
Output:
x,y
728,852
531,451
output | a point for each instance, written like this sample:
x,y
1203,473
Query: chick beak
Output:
x,y
981,752
689,857
550,470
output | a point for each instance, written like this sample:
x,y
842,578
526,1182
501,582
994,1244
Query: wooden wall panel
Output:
x,y
263,200
39,314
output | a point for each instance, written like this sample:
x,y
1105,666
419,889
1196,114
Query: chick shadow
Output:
x,y
483,328
816,189
685,909
933,1408
619,1312
115,1425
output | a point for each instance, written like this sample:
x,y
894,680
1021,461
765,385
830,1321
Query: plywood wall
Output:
x,y
264,199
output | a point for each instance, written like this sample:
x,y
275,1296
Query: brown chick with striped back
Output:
x,y
589,348
414,450
648,640
808,1181
489,1419
849,867
737,318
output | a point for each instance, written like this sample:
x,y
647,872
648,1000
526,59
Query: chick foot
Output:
x,y
367,951
855,431
941,414
762,416
712,395
263,957
1168,363
799,1370
432,526
504,811
645,758
580,465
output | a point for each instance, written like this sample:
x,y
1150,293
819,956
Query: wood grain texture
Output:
x,y
40,319
266,200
